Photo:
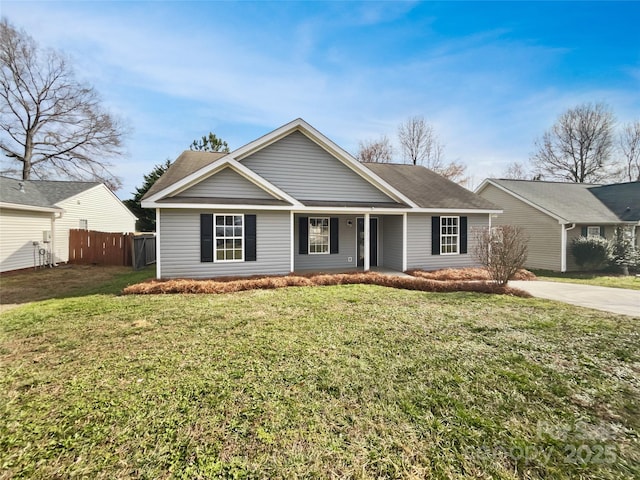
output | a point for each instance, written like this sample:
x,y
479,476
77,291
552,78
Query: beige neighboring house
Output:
x,y
555,213
36,216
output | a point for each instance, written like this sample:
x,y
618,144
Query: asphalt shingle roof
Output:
x,y
428,189
572,202
423,186
623,199
188,162
40,193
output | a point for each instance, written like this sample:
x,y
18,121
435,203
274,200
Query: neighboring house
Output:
x,y
38,214
293,200
554,213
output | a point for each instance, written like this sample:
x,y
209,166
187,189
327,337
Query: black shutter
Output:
x,y
463,234
250,238
584,231
435,235
333,233
206,237
303,235
602,232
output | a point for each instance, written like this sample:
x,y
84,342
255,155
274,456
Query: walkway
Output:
x,y
616,300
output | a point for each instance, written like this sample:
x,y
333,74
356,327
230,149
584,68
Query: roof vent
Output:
x,y
21,187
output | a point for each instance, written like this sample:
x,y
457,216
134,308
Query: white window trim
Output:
x,y
215,238
457,252
589,235
328,219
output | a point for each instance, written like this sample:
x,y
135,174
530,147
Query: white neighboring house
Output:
x,y
38,214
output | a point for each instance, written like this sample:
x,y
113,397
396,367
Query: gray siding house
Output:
x,y
555,213
294,201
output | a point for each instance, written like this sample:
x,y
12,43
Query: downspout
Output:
x,y
53,238
563,246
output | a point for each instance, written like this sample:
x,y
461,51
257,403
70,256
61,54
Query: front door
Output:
x,y
373,242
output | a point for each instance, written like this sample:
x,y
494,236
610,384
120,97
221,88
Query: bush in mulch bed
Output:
x,y
231,285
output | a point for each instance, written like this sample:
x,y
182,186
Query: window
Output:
x,y
84,224
229,234
449,235
318,235
593,232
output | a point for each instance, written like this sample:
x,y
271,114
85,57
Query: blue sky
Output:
x,y
490,77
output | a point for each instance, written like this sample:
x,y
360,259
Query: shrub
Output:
x,y
502,250
591,253
624,253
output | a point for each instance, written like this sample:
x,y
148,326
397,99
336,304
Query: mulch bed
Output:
x,y
230,285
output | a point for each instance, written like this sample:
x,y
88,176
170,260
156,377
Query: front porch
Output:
x,y
361,241
381,270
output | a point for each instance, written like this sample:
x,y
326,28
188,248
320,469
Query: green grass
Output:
x,y
68,281
601,279
325,382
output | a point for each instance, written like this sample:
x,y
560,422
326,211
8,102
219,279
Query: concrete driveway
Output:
x,y
616,300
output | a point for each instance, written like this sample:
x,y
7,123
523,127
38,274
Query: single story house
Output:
x,y
555,213
293,200
36,216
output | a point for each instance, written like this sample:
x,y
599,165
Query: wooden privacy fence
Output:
x,y
89,247
99,248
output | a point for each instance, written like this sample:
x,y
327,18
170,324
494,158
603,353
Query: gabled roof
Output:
x,y
566,202
623,199
40,193
409,186
427,189
188,162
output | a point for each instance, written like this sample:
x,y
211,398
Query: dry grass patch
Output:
x,y
231,285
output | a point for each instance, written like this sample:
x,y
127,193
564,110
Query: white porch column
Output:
x,y
404,242
158,250
292,241
367,235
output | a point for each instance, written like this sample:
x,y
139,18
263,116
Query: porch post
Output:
x,y
367,248
292,241
404,242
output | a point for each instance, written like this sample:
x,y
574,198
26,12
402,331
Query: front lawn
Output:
x,y
354,381
589,278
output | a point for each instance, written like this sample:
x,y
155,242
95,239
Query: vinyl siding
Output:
x,y
545,242
392,235
180,246
18,230
307,172
226,184
346,241
103,212
419,243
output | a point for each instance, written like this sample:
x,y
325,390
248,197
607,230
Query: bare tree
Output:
x,y
375,151
502,250
421,146
50,123
454,171
578,147
629,143
516,171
